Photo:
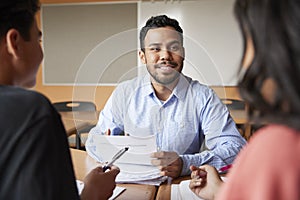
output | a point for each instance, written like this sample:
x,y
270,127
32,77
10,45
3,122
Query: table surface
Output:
x,y
83,163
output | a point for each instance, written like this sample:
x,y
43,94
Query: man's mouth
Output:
x,y
166,66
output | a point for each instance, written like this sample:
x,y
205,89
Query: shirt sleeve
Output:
x,y
111,115
222,139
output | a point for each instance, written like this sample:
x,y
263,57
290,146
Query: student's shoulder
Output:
x,y
276,133
25,98
275,138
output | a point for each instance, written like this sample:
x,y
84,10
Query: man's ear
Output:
x,y
183,53
142,56
13,38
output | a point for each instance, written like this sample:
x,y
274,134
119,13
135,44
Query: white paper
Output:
x,y
104,147
135,165
182,191
80,186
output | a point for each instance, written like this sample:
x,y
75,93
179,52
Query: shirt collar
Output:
x,y
179,91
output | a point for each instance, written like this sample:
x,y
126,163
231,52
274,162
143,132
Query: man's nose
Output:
x,y
165,54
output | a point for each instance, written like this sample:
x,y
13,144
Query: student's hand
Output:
x,y
99,185
205,182
169,163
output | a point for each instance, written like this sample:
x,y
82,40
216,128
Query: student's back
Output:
x,y
35,162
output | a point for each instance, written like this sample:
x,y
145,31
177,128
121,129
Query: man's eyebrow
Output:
x,y
154,44
174,42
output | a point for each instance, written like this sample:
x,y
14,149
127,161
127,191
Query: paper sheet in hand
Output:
x,y
135,164
105,147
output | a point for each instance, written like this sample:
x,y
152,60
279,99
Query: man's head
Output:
x,y
21,53
158,22
162,49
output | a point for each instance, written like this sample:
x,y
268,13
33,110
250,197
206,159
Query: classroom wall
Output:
x,y
97,94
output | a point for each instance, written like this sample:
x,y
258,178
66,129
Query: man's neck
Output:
x,y
163,92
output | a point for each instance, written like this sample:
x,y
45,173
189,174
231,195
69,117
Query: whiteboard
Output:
x,y
212,40
89,44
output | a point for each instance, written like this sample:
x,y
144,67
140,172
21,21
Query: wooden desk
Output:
x,y
83,163
164,190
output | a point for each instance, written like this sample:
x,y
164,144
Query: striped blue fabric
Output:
x,y
192,122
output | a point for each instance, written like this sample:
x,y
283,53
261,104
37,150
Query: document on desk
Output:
x,y
182,191
135,165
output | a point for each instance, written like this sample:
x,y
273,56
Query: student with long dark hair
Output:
x,y
269,166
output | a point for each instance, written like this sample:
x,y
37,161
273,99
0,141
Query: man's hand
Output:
x,y
169,163
205,182
99,185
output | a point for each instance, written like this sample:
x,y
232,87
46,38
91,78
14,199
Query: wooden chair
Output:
x,y
71,106
236,104
75,106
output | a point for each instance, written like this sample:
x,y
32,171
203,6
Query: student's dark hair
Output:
x,y
274,27
18,14
157,22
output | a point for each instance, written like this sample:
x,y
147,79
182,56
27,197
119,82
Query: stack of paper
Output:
x,y
135,165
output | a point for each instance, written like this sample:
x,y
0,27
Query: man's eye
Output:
x,y
154,49
174,48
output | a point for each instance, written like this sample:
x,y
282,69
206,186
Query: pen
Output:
x,y
116,157
224,169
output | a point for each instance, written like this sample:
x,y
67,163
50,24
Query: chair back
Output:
x,y
234,104
69,106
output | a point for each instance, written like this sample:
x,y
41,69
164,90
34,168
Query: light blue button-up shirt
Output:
x,y
192,116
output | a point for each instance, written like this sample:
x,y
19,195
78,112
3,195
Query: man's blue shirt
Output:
x,y
193,122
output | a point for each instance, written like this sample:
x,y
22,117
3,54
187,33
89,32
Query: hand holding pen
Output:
x,y
205,181
115,158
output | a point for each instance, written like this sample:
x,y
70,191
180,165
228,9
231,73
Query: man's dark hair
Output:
x,y
274,28
157,22
17,14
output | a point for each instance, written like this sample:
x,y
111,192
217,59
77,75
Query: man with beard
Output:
x,y
182,113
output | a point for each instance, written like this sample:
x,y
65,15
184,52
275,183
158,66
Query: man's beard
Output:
x,y
165,80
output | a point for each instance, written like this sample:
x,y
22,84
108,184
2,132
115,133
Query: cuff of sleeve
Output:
x,y
185,166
